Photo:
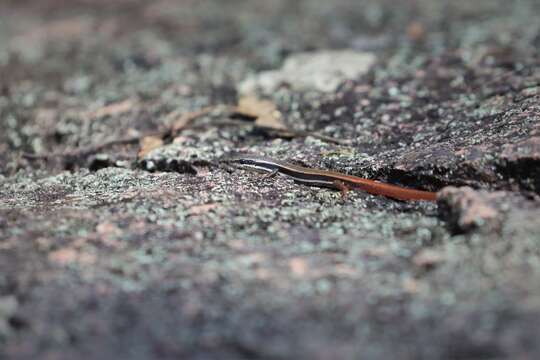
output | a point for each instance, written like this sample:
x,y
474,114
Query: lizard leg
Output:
x,y
270,175
342,187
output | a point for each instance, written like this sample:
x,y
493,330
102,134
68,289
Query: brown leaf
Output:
x,y
108,233
265,112
201,209
63,256
107,229
416,31
202,171
428,258
67,256
298,266
149,143
116,108
410,285
182,120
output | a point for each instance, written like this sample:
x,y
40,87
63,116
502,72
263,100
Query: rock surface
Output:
x,y
108,252
323,71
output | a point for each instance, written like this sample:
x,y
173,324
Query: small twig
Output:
x,y
185,119
182,121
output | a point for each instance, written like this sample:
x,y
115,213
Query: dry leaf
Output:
x,y
108,233
298,266
416,31
345,270
107,229
410,285
116,108
201,209
149,143
265,112
202,171
237,244
181,139
63,256
66,256
428,258
182,119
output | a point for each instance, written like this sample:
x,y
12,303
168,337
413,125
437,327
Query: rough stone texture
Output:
x,y
466,210
171,255
323,71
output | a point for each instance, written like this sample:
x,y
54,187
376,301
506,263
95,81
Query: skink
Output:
x,y
323,178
